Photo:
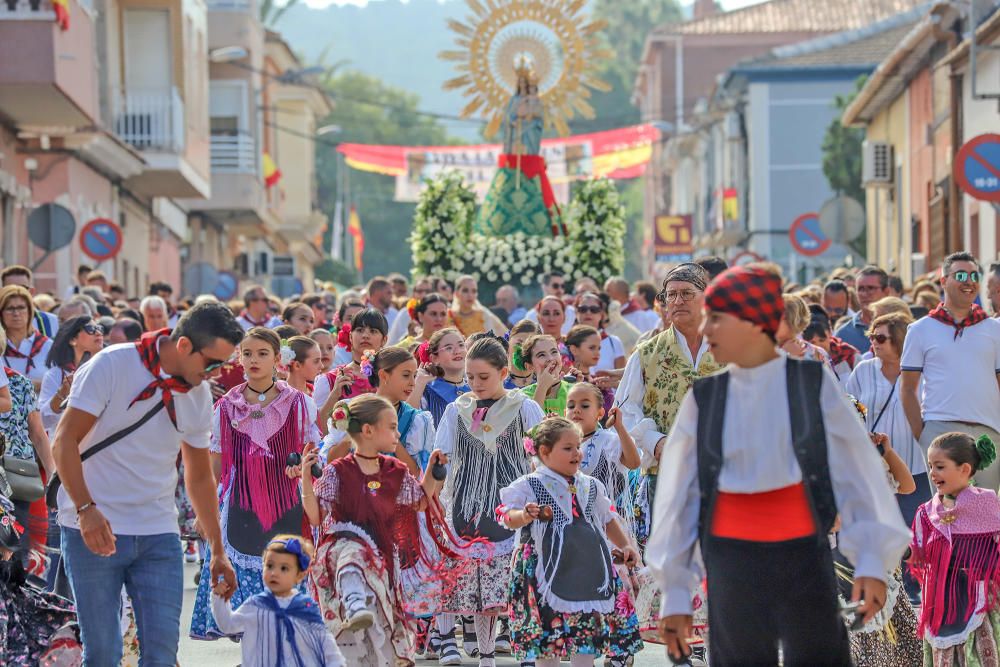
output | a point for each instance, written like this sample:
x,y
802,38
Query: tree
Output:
x,y
842,150
369,111
271,12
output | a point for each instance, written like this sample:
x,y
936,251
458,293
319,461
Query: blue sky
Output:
x,y
728,4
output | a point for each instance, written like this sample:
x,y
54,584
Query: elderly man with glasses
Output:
x,y
872,284
955,350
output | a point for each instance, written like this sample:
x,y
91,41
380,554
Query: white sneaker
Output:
x,y
359,617
449,651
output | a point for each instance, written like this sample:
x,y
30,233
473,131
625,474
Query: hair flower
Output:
x,y
423,353
367,365
529,445
987,451
517,358
411,308
286,357
344,337
341,417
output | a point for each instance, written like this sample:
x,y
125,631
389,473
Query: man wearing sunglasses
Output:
x,y
256,310
117,518
956,351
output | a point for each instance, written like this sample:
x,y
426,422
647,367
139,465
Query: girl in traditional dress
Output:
x,y
367,333
342,330
431,313
282,626
392,371
482,433
441,377
299,316
540,355
365,502
955,556
303,362
468,315
518,378
327,346
566,597
583,344
592,310
256,426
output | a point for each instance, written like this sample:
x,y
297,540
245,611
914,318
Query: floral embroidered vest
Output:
x,y
668,375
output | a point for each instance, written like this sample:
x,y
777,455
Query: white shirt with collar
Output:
x,y
758,457
270,322
20,365
133,481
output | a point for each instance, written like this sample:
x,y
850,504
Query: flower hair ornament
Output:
x,y
341,417
367,363
987,451
423,353
529,442
517,358
285,357
294,547
860,407
411,308
344,337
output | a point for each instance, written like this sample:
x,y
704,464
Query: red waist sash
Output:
x,y
772,516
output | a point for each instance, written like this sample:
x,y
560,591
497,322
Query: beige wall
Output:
x,y
888,208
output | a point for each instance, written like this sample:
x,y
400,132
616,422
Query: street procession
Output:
x,y
397,333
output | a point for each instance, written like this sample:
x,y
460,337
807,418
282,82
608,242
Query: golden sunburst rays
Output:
x,y
561,43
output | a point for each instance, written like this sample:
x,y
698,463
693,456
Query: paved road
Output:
x,y
225,653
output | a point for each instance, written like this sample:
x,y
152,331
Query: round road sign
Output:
x,y
227,285
806,236
51,227
842,219
977,167
101,239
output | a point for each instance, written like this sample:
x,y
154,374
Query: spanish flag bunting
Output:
x,y
354,229
61,8
271,172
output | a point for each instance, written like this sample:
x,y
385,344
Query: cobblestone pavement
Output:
x,y
225,653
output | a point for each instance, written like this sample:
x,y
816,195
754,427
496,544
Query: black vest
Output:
x,y
805,379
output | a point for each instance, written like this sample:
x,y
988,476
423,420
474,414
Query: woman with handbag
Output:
x,y
78,339
27,454
26,348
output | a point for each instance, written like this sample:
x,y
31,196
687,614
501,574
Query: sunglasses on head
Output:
x,y
966,276
594,310
878,338
93,329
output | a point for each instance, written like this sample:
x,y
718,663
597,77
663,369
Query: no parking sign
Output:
x,y
806,236
101,239
977,167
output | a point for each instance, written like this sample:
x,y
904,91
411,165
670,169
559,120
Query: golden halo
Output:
x,y
558,39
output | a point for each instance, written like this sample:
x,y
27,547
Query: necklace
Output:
x,y
373,485
359,455
571,481
261,395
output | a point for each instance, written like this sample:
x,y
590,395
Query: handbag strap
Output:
x,y
885,405
118,435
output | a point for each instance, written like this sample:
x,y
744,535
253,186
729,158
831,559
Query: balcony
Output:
x,y
153,121
235,23
48,77
233,154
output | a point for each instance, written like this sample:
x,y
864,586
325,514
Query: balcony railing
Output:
x,y
234,154
26,10
228,5
150,120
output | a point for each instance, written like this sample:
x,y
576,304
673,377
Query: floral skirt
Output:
x,y
389,641
979,650
185,511
480,586
29,617
537,631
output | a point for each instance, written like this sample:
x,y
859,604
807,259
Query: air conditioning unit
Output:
x,y
918,264
876,163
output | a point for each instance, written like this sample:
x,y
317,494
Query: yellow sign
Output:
x,y
672,237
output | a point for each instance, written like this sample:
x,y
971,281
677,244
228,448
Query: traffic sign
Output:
x,y
977,167
806,236
101,239
51,227
200,278
225,288
842,219
745,257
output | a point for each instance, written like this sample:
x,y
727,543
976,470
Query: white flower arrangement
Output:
x,y
596,222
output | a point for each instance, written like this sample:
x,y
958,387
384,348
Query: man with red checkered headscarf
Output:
x,y
778,453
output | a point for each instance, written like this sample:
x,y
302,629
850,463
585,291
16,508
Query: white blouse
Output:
x,y
18,364
611,349
50,386
418,440
870,386
758,457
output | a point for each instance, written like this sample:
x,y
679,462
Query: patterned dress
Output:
x,y
566,597
29,617
257,500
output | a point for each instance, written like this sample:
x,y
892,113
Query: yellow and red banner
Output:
x,y
61,8
354,229
618,154
271,172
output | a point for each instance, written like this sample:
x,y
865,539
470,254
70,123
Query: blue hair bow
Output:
x,y
294,546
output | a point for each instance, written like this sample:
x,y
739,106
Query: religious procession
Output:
x,y
734,399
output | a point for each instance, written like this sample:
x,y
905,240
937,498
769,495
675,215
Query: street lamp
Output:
x,y
228,54
328,129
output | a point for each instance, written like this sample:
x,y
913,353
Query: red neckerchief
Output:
x,y
842,351
36,347
10,372
975,316
149,353
630,307
245,315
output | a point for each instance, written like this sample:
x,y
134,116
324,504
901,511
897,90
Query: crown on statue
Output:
x,y
525,70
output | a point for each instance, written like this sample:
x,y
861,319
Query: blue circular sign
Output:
x,y
101,239
977,167
226,287
806,236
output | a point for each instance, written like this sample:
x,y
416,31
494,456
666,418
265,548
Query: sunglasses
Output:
x,y
878,338
213,366
558,286
966,276
593,310
93,329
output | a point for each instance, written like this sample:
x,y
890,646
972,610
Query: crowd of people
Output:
x,y
731,464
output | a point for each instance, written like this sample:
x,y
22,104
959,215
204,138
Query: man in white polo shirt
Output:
x,y
956,351
117,518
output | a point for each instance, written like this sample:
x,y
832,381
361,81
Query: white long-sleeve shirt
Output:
x,y
629,396
246,620
758,457
51,384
